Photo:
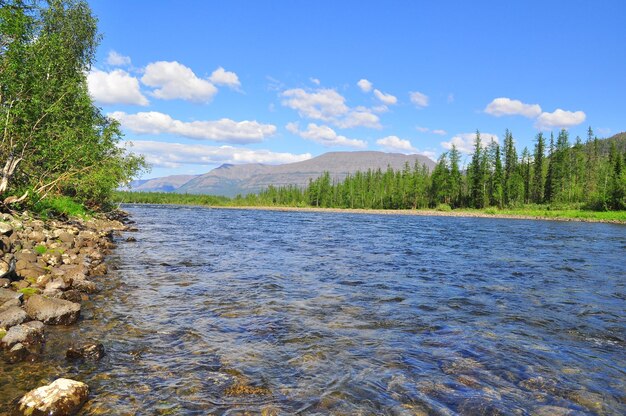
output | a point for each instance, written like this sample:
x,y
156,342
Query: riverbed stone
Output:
x,y
9,304
6,229
61,397
12,316
5,282
52,311
8,294
90,351
28,334
74,296
16,354
86,286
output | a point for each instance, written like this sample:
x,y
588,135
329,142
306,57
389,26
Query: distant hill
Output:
x,y
163,184
230,180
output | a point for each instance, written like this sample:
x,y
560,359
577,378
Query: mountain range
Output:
x,y
230,180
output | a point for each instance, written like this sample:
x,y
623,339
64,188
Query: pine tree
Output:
x,y
538,177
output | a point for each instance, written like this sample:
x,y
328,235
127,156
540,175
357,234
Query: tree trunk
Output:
x,y
7,172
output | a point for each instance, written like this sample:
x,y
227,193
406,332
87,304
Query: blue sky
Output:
x,y
196,84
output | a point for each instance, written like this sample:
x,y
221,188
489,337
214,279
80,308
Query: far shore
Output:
x,y
419,212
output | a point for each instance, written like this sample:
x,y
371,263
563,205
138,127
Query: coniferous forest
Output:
x,y
586,174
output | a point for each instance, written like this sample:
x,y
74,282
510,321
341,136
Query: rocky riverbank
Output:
x,y
47,270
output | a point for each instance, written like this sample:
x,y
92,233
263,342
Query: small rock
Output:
x,y
21,284
10,303
12,316
99,270
8,294
56,284
86,286
6,229
52,311
91,351
37,237
26,256
5,282
74,296
28,334
16,354
61,397
131,239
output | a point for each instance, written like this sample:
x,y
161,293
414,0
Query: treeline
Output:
x,y
556,172
54,141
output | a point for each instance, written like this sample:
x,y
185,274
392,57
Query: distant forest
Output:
x,y
588,175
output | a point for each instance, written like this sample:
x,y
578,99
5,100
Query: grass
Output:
x,y
59,206
40,249
28,291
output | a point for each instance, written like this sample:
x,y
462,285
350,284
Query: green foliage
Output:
x,y
443,208
55,140
41,249
59,206
28,291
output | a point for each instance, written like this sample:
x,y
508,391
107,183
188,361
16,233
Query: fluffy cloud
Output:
x,y
173,80
440,132
115,87
224,130
506,107
329,106
560,119
364,85
227,78
325,136
173,155
387,99
419,99
116,59
464,142
396,144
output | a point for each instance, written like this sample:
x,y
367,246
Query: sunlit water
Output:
x,y
225,311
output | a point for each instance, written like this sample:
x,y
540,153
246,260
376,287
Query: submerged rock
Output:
x,y
29,334
14,315
52,311
61,397
91,351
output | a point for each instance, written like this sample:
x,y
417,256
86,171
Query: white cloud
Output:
x,y
396,144
115,87
507,107
222,77
325,136
427,130
329,106
173,80
465,141
560,119
419,99
223,130
365,85
173,155
315,81
116,59
385,98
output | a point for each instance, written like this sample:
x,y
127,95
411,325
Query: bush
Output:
x,y
443,208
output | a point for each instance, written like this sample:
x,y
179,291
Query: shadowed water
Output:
x,y
226,311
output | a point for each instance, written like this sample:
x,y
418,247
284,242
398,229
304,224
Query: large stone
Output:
x,y
52,311
8,294
30,333
61,397
12,316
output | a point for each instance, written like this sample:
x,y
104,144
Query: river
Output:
x,y
225,311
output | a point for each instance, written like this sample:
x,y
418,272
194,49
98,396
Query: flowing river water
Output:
x,y
215,311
